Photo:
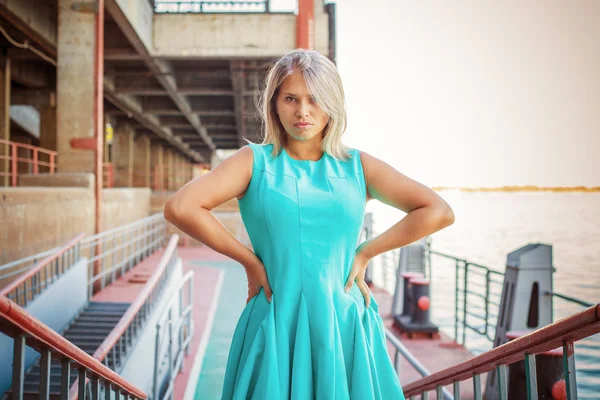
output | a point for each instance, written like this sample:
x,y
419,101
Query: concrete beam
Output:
x,y
33,97
37,19
131,106
122,54
135,19
233,35
33,75
238,82
161,69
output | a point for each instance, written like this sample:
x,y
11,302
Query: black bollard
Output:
x,y
550,380
418,319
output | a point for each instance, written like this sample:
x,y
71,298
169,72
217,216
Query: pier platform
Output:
x,y
220,292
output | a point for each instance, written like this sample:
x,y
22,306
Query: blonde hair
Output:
x,y
323,81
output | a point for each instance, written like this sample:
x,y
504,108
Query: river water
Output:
x,y
490,225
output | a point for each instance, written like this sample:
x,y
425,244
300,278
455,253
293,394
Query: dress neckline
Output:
x,y
284,151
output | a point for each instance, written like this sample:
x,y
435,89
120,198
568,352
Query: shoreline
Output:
x,y
526,188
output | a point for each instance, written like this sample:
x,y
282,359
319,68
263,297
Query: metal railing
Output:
x,y
29,331
412,360
114,252
38,160
123,337
38,272
559,334
213,7
173,325
477,294
108,175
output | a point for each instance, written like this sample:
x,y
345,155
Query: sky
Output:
x,y
474,94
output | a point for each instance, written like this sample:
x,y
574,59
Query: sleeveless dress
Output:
x,y
313,341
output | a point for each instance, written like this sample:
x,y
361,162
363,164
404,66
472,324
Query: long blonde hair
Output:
x,y
325,84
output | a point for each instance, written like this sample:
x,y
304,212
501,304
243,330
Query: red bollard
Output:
x,y
417,322
550,378
407,293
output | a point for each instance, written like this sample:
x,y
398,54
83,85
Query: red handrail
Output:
x,y
126,320
43,263
46,337
571,329
14,159
108,175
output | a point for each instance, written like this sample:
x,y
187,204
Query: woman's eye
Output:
x,y
289,98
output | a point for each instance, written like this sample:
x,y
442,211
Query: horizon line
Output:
x,y
520,188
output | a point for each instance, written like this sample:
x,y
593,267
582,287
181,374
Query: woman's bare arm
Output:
x,y
426,211
189,208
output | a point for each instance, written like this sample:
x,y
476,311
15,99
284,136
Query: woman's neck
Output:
x,y
304,150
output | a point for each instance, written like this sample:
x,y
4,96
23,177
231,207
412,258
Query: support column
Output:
x,y
48,139
170,169
75,85
157,167
305,24
5,150
123,156
142,162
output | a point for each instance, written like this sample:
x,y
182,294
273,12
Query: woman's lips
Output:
x,y
302,125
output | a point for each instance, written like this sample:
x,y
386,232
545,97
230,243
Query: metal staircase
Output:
x,y
87,332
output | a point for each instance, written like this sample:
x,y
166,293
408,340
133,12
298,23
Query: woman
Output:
x,y
310,328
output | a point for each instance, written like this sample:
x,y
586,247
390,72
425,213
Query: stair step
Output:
x,y
83,330
93,324
108,306
103,318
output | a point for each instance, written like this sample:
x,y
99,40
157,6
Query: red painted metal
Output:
x,y
417,281
88,143
35,161
45,337
305,31
108,175
14,164
570,329
133,309
42,264
127,319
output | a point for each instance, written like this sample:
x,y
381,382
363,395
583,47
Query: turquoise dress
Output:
x,y
313,340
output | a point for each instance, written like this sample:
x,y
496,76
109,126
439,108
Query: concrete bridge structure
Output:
x,y
142,94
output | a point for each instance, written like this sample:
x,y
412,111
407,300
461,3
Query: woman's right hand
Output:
x,y
257,278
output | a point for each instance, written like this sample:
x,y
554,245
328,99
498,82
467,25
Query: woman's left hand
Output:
x,y
359,268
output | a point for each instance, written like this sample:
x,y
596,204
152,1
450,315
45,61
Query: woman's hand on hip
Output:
x,y
359,268
257,278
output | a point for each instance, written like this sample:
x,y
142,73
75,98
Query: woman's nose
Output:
x,y
303,110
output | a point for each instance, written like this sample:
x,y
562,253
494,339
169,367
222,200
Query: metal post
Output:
x,y
531,377
456,386
465,281
18,366
45,374
477,387
569,370
456,302
502,382
65,377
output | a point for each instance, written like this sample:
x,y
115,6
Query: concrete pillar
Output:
x,y
157,159
123,155
48,139
75,85
169,184
5,150
142,162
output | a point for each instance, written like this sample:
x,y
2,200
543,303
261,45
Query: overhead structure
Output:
x,y
185,74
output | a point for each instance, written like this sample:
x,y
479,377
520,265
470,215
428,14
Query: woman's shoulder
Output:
x,y
261,152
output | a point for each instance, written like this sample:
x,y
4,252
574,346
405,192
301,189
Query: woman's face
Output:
x,y
300,116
